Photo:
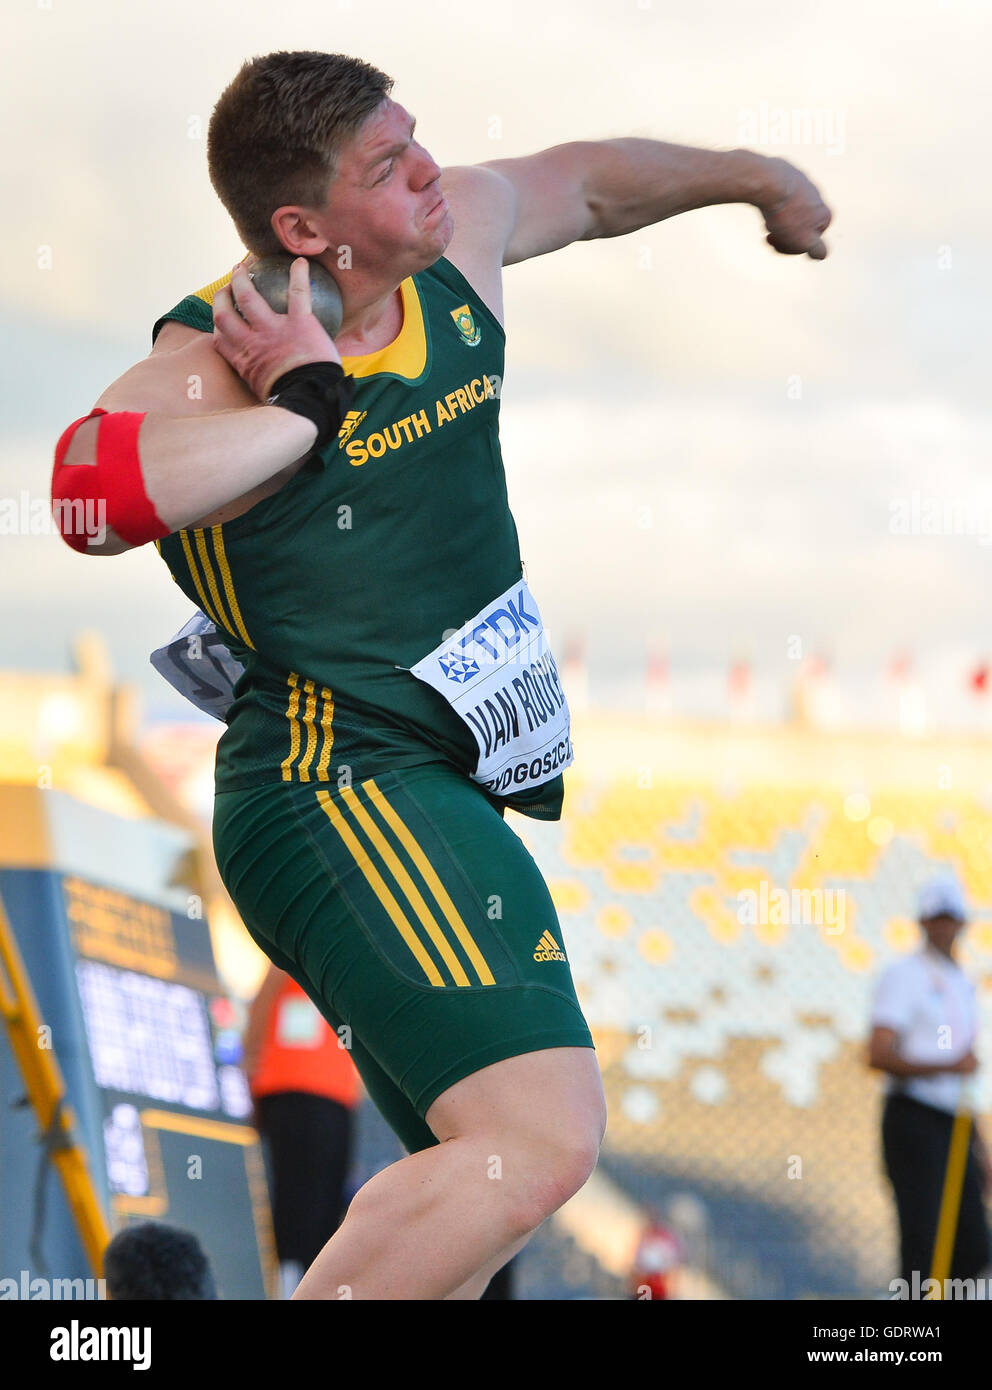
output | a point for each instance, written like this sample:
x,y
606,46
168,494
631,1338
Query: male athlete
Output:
x,y
339,511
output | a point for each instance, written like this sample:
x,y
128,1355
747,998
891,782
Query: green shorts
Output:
x,y
413,917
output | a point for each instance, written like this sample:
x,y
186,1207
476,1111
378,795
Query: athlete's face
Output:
x,y
386,202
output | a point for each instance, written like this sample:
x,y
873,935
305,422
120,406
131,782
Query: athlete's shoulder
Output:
x,y
206,294
481,204
481,201
194,311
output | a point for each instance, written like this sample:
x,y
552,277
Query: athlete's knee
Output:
x,y
551,1168
539,1118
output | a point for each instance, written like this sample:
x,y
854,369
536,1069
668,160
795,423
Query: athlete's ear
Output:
x,y
294,229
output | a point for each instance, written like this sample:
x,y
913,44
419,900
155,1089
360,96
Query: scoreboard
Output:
x,y
126,981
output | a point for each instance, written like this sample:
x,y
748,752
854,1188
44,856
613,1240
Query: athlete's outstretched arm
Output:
x,y
604,188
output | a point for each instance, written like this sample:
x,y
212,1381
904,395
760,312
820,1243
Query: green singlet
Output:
x,y
395,535
355,827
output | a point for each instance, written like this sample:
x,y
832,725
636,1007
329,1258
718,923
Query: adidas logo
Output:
x,y
349,425
548,949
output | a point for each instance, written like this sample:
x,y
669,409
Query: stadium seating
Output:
x,y
724,942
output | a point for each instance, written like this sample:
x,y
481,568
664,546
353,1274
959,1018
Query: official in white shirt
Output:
x,y
924,1027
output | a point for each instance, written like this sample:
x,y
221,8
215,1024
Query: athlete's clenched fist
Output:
x,y
262,345
797,217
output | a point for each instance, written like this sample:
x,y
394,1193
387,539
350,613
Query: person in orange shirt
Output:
x,y
306,1089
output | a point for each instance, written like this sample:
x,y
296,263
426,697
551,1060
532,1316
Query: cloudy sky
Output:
x,y
711,449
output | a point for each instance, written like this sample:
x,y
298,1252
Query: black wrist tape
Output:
x,y
320,392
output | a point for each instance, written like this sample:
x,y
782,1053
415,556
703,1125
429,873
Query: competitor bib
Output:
x,y
498,674
198,664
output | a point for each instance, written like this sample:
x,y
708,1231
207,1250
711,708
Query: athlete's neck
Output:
x,y
373,307
370,325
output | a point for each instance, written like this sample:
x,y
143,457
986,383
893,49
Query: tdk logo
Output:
x,y
458,668
498,633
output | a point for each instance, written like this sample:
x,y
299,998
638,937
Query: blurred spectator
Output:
x,y
305,1088
656,1263
924,1026
150,1260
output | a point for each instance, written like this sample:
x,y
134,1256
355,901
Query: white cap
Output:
x,y
941,896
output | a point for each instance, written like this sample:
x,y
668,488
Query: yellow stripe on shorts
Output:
x,y
430,877
379,888
412,892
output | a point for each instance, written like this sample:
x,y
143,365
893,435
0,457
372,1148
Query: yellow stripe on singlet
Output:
x,y
327,724
208,291
406,355
430,877
319,731
208,570
197,581
410,890
303,767
379,888
294,728
225,573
